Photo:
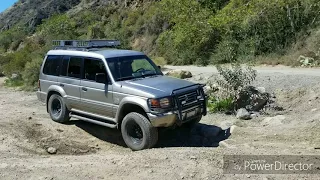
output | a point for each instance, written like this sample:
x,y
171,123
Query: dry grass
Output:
x,y
160,61
308,46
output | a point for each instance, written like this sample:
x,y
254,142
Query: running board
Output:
x,y
113,126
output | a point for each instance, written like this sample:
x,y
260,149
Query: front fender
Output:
x,y
141,102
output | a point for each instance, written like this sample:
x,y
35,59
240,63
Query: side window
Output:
x,y
93,67
74,68
64,66
52,65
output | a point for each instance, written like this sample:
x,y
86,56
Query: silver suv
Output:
x,y
115,88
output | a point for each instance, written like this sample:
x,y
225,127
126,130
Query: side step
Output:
x,y
113,126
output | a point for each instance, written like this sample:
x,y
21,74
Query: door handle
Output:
x,y
84,89
61,85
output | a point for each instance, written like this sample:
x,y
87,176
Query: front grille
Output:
x,y
188,99
190,104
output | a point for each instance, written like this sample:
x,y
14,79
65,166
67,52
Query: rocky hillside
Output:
x,y
30,13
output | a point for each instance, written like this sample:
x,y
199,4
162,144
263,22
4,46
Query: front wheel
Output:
x,y
137,132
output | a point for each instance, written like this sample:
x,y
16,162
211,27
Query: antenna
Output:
x,y
85,44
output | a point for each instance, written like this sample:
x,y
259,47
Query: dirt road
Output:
x,y
86,151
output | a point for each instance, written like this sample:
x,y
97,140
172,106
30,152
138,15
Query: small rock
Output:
x,y
224,144
261,90
84,150
226,124
150,171
29,118
313,110
193,157
59,130
232,128
252,116
52,150
243,114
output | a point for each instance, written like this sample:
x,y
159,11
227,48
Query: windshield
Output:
x,y
132,67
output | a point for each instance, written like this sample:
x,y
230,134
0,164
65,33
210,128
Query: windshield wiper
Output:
x,y
125,78
150,75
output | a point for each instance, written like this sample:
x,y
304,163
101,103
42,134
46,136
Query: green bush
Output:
x,y
18,82
30,74
229,85
233,79
223,105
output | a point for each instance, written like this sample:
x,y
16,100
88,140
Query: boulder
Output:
x,y
182,74
243,114
253,99
15,76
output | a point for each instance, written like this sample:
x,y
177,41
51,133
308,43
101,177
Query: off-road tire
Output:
x,y
133,121
61,116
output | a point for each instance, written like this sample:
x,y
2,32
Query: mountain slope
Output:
x,y
31,12
179,32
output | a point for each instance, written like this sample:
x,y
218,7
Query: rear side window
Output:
x,y
71,66
65,64
52,65
74,69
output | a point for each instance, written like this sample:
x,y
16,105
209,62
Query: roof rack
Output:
x,y
85,44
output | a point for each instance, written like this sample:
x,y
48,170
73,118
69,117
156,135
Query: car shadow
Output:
x,y
201,135
103,133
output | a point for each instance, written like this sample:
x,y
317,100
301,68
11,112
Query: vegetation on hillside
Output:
x,y
178,31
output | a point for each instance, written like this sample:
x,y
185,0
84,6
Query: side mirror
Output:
x,y
159,67
101,78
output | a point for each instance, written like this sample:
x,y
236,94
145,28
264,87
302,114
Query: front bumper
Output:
x,y
163,120
172,118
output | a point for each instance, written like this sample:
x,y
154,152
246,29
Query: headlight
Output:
x,y
162,103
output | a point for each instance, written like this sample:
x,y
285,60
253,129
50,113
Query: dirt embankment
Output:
x,y
86,151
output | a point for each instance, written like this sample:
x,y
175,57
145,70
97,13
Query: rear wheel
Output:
x,y
137,132
57,109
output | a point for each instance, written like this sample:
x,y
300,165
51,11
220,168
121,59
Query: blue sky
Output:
x,y
4,4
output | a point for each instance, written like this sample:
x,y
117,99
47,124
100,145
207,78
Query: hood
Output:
x,y
159,86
